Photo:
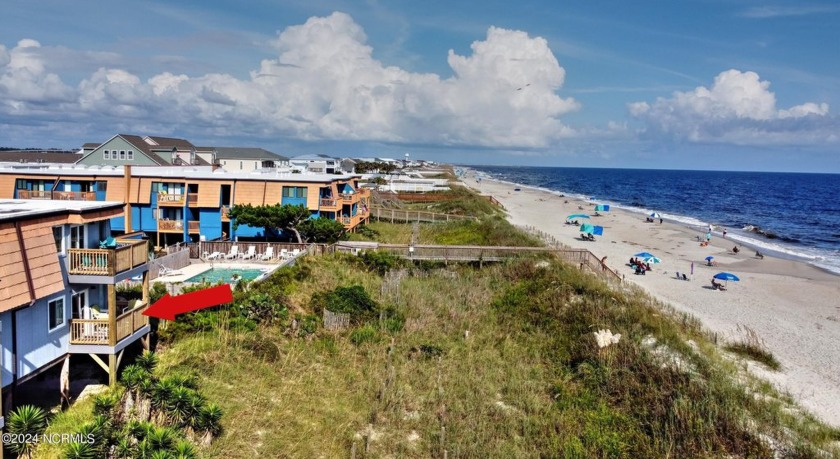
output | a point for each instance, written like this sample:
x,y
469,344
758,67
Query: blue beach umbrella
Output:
x,y
574,216
655,215
710,258
643,255
602,208
727,277
651,260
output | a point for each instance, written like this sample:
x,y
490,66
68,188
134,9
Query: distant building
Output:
x,y
317,164
38,156
348,166
240,159
126,149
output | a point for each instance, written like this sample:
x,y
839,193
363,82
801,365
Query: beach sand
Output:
x,y
793,307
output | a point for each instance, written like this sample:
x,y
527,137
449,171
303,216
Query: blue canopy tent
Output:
x,y
586,228
602,208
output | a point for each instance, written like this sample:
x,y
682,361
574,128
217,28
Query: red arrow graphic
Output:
x,y
170,306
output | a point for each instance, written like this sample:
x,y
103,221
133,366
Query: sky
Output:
x,y
694,84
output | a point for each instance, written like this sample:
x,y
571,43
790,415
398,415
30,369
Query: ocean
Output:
x,y
787,215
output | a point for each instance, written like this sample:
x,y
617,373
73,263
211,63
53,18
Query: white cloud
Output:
x,y
738,108
324,84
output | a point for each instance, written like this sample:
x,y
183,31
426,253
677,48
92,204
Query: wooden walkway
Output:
x,y
582,258
402,215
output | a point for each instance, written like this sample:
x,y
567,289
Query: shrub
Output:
x,y
260,307
26,420
365,334
353,300
379,262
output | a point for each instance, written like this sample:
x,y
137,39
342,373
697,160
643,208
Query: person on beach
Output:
x,y
708,237
724,234
736,249
660,220
604,264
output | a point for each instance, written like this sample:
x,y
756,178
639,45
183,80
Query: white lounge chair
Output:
x,y
213,256
295,253
234,253
251,253
268,254
284,254
164,271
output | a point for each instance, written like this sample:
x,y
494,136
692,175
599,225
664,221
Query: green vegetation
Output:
x,y
752,347
271,218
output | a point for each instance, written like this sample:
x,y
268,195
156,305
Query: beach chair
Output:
x,y
234,253
251,253
284,254
164,271
268,254
295,253
213,256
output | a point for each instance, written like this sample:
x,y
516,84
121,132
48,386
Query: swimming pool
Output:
x,y
214,275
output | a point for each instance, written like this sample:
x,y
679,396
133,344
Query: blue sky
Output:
x,y
708,84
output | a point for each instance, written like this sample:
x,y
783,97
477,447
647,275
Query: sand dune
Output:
x,y
792,306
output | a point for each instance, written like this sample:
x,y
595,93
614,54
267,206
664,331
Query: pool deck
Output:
x,y
197,267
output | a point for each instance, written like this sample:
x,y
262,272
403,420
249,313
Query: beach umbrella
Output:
x,y
655,215
602,208
726,277
643,255
710,258
651,260
574,216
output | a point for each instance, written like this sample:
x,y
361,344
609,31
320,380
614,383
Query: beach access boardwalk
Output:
x,y
582,258
403,215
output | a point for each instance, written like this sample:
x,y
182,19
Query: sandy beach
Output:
x,y
793,307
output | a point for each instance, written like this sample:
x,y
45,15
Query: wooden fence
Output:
x,y
175,259
401,215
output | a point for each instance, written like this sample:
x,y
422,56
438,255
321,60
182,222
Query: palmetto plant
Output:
x,y
210,419
81,451
26,420
184,450
162,438
147,360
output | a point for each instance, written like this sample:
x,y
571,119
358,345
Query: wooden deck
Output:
x,y
108,262
98,331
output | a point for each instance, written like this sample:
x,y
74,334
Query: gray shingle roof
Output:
x,y
247,153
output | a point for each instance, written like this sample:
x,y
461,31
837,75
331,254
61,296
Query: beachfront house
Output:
x,y
58,274
126,149
184,204
239,159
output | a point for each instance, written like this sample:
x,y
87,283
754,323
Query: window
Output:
x,y
56,313
106,154
122,154
20,184
102,186
77,237
294,191
58,235
130,156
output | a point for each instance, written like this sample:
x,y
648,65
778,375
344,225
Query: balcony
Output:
x,y
34,194
99,331
108,265
192,199
170,226
329,202
74,195
193,227
174,200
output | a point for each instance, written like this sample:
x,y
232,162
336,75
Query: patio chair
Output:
x,y
213,256
268,254
251,253
234,253
164,271
295,253
284,254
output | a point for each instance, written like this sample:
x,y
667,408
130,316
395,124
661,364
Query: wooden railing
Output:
x,y
74,195
34,194
171,198
170,225
345,220
193,226
98,331
328,202
108,262
400,215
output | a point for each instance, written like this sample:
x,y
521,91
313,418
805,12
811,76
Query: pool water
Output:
x,y
214,275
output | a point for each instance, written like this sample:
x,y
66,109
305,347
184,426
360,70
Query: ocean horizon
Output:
x,y
792,215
